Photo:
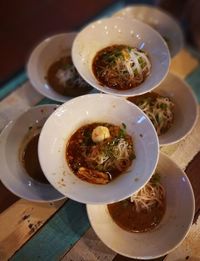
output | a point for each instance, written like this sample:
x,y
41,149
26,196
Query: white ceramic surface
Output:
x,y
120,30
47,52
164,23
88,109
12,173
170,232
185,109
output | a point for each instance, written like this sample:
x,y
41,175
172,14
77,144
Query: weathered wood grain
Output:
x,y
20,222
183,64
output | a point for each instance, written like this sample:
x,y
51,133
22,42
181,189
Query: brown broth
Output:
x,y
125,215
80,147
30,160
119,79
74,85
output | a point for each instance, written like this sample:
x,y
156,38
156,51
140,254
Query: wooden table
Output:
x,y
61,230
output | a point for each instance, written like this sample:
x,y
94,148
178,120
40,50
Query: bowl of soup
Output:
x,y
153,221
158,19
21,172
103,149
172,107
121,56
52,72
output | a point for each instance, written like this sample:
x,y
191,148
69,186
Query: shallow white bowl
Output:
x,y
170,232
47,52
89,109
13,174
185,110
120,30
165,24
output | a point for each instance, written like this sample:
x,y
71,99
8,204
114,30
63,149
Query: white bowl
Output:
x,y
89,109
171,231
165,24
119,30
13,174
46,53
185,109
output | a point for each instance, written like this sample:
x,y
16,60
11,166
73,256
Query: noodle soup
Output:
x,y
100,152
144,210
121,67
158,108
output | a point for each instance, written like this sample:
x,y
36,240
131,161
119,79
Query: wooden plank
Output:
x,y
190,248
11,85
20,222
183,64
7,198
194,80
89,247
18,102
58,235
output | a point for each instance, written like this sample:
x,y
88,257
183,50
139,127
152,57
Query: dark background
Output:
x,y
24,23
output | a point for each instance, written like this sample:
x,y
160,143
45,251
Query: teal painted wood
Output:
x,y
57,236
12,85
194,80
48,101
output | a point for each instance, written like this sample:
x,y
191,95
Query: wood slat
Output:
x,y
62,231
183,64
19,223
18,102
7,198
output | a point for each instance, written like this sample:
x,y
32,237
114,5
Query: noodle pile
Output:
x,y
159,109
121,67
151,194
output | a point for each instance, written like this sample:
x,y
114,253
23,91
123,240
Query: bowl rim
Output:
x,y
108,90
187,88
113,97
4,132
163,155
160,11
60,98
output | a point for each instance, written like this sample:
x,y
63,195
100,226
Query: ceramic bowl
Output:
x,y
120,30
170,232
185,108
13,174
89,109
46,53
162,22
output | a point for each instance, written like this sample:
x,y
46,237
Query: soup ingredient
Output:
x,y
121,67
63,77
100,133
30,160
144,210
159,109
99,152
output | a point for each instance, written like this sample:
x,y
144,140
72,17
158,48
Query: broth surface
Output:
x,y
100,162
63,77
30,160
125,215
121,67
